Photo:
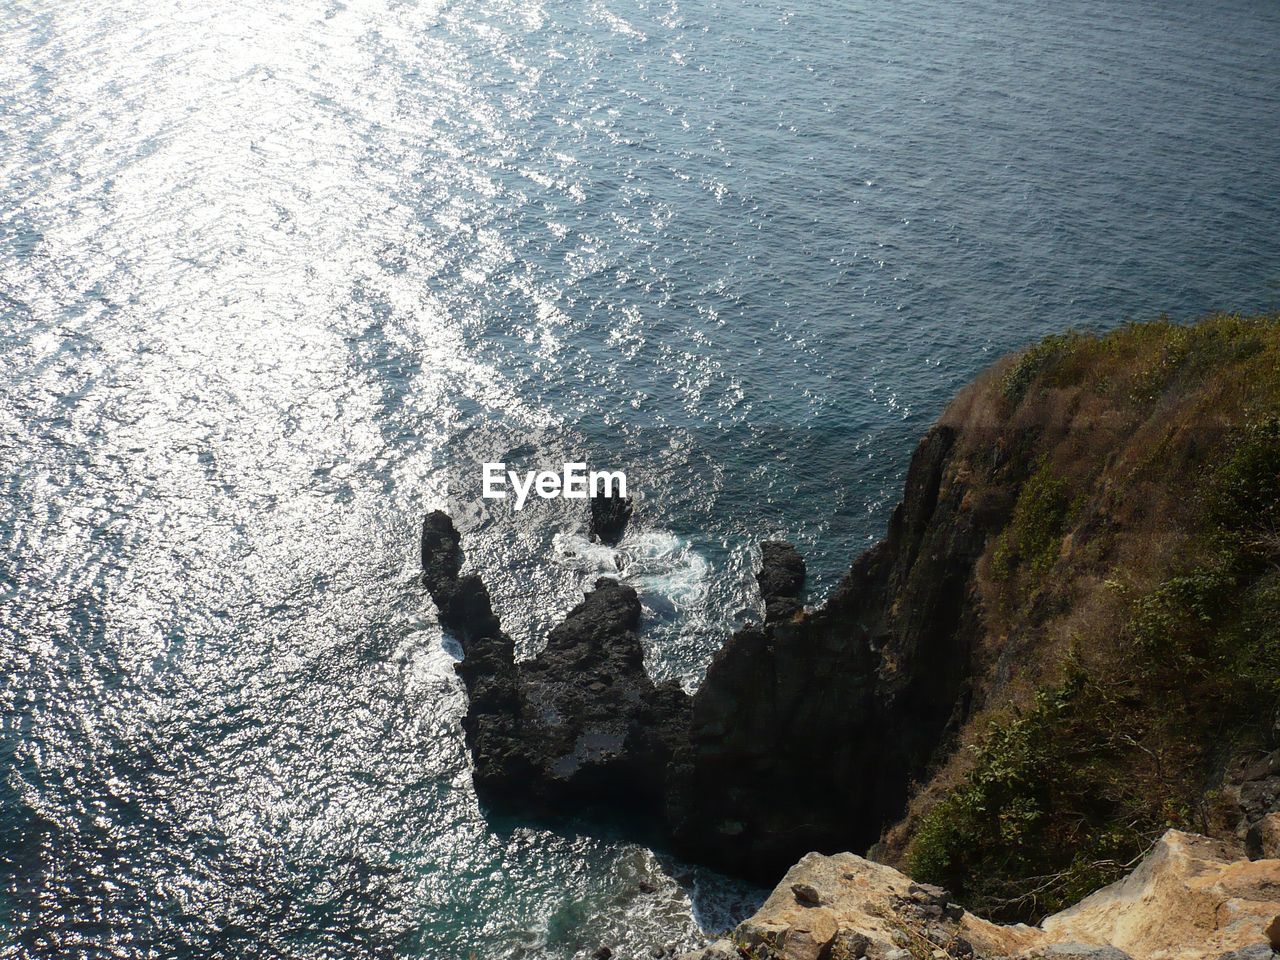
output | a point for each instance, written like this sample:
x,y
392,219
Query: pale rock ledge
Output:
x,y
1191,898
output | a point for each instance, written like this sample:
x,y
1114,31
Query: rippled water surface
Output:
x,y
276,277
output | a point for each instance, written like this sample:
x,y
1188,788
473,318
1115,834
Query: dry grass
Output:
x,y
1106,448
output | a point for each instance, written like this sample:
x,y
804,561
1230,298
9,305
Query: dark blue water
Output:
x,y
276,277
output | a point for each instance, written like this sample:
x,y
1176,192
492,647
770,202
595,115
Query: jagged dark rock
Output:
x,y
488,669
807,729
1254,792
597,725
580,725
807,732
609,518
781,578
441,553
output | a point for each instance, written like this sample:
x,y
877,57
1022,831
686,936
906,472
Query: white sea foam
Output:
x,y
665,569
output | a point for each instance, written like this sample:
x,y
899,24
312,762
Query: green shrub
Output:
x,y
1243,504
1063,797
1039,522
1001,840
1175,625
1034,362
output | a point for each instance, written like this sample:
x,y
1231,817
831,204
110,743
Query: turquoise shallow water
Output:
x,y
276,277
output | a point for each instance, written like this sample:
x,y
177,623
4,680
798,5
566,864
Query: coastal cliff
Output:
x,y
808,730
1067,643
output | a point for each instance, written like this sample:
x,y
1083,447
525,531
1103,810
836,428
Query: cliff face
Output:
x,y
1126,672
1068,641
807,731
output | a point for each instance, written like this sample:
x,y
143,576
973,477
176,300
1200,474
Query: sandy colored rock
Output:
x,y
811,934
861,899
1190,898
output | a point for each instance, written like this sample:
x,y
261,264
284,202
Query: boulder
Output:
x,y
1256,792
869,910
1262,842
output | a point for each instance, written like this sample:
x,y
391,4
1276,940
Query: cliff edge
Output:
x,y
1189,899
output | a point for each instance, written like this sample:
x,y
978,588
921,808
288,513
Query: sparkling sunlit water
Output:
x,y
276,276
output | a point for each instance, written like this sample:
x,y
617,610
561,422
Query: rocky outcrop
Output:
x,y
781,579
808,730
598,728
581,725
492,725
1079,584
1189,899
1254,794
842,906
609,518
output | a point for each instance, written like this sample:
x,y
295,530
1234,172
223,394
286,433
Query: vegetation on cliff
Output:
x,y
1130,649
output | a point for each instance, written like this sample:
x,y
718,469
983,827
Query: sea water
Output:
x,y
278,277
